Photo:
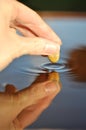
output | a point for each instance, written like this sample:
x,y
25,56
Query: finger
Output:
x,y
23,30
31,95
17,46
35,92
30,114
10,89
31,20
37,46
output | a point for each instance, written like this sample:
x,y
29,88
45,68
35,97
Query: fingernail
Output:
x,y
53,48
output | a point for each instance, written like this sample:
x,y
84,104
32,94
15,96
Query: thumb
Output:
x,y
37,91
37,46
19,45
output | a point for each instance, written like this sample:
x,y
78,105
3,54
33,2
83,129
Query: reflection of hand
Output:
x,y
21,108
39,38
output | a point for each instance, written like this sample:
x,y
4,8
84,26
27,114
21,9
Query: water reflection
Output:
x,y
77,64
26,105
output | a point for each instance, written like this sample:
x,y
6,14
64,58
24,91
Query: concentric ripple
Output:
x,y
58,67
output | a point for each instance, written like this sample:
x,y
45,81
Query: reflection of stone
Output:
x,y
54,76
77,64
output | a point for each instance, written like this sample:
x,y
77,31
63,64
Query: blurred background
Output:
x,y
56,5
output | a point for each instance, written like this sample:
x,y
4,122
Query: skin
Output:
x,y
18,107
38,38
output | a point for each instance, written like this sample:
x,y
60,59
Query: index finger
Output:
x,y
30,20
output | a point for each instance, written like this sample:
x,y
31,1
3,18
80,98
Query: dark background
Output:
x,y
56,5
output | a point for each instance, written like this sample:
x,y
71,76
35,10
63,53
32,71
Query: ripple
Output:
x,y
58,67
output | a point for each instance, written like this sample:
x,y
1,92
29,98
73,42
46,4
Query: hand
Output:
x,y
19,109
38,38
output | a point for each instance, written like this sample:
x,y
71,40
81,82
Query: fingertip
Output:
x,y
59,41
52,48
38,46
